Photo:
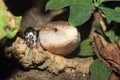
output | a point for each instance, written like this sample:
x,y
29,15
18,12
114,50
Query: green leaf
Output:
x,y
56,4
3,22
5,31
108,21
3,19
99,71
109,0
112,36
81,12
1,6
98,28
111,14
86,48
117,9
12,33
2,33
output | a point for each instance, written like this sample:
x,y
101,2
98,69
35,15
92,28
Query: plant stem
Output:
x,y
99,18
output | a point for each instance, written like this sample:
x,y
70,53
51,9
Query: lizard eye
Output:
x,y
55,29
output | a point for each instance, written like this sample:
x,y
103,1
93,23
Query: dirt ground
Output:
x,y
45,75
11,70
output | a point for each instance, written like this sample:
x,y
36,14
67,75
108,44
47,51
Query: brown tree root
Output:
x,y
39,58
109,54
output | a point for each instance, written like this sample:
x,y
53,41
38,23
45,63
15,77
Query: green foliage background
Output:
x,y
80,12
6,32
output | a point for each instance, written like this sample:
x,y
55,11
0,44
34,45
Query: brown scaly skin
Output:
x,y
57,37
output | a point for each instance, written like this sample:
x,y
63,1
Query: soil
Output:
x,y
10,69
45,75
